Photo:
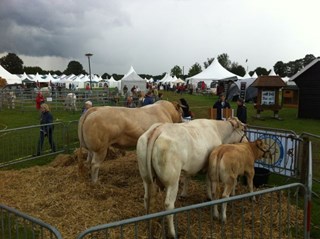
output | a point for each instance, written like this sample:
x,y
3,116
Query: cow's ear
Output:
x,y
177,105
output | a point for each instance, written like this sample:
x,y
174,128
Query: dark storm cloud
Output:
x,y
55,27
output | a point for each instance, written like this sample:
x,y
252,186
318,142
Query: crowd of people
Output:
x,y
136,98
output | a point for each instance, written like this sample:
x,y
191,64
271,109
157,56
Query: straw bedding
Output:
x,y
60,196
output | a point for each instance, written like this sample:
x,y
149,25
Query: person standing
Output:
x,y
148,99
46,130
39,100
186,113
221,104
130,103
241,111
87,105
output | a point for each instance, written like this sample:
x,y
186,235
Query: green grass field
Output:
x,y
200,105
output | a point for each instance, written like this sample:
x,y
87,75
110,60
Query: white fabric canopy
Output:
x,y
133,79
113,83
10,78
166,79
214,72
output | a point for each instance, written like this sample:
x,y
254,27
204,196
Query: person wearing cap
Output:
x,y
241,111
220,104
87,105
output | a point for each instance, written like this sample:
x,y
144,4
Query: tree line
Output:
x,y
12,63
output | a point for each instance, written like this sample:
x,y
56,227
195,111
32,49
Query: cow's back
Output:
x,y
191,142
120,126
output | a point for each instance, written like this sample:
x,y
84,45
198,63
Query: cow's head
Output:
x,y
264,149
236,123
239,127
178,113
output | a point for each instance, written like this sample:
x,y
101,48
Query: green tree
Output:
x,y
194,69
56,72
224,61
117,77
105,76
32,70
237,69
176,71
308,58
261,71
251,73
208,62
294,66
74,67
280,68
12,63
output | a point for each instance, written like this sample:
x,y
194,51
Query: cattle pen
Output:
x,y
279,212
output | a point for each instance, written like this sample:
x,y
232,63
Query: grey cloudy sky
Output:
x,y
155,35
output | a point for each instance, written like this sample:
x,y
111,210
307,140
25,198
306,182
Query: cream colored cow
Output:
x,y
102,127
70,102
167,151
229,161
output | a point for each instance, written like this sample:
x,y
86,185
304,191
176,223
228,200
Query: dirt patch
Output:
x,y
58,195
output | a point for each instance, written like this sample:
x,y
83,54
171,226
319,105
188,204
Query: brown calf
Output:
x,y
227,162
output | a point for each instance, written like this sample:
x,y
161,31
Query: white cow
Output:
x,y
70,102
11,98
167,151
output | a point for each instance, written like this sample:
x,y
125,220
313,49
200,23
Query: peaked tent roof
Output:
x,y
10,78
166,79
214,72
133,79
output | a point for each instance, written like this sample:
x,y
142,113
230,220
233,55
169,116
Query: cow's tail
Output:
x,y
82,142
153,133
215,160
152,137
80,130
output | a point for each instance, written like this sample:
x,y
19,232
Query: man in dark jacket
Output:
x,y
148,99
221,104
241,111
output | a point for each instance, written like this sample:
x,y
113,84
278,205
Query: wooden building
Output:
x,y
290,96
268,94
308,82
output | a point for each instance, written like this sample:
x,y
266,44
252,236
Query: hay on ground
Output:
x,y
57,195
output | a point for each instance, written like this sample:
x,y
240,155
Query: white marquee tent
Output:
x,y
112,83
10,78
133,79
214,72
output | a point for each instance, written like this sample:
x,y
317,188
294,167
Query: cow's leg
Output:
x,y
234,187
171,195
97,159
148,193
84,164
215,192
229,186
185,183
209,187
250,182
